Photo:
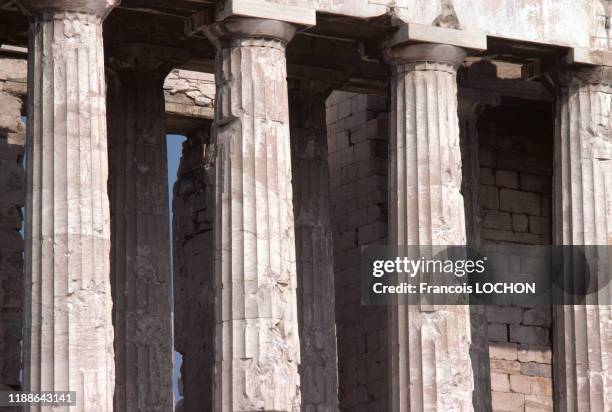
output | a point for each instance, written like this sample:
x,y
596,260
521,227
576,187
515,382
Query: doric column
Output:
x,y
69,331
471,106
256,334
140,252
314,247
430,366
583,216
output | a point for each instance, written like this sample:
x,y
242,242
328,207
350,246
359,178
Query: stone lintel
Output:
x,y
99,8
579,55
421,33
198,24
265,10
148,57
585,74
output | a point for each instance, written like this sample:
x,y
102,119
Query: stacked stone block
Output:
x,y
12,182
357,140
516,179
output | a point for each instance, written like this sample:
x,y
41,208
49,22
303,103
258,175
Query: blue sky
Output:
x,y
174,144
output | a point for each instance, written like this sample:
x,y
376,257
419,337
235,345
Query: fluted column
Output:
x,y
256,334
583,216
69,331
314,247
430,368
140,252
470,109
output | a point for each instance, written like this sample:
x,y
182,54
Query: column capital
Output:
x,y
585,75
98,8
422,54
250,28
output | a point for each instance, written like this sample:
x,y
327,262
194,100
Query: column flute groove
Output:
x,y
256,336
69,330
140,252
430,367
314,247
582,357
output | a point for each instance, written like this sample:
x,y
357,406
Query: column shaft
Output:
x,y
314,247
470,109
69,331
256,336
430,363
582,348
140,253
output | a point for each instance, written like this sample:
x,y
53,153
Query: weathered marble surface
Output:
x,y
69,331
582,216
257,349
430,367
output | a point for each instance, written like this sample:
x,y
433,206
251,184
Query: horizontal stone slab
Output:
x,y
266,10
421,33
578,55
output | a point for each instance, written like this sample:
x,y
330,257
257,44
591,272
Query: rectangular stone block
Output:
x,y
494,219
506,178
536,369
535,183
531,385
537,317
505,366
535,353
530,335
505,314
520,222
498,332
500,382
539,225
538,403
487,176
520,202
489,197
503,351
508,402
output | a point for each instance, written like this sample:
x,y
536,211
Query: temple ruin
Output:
x,y
314,128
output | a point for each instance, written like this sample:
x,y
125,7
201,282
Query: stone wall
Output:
x,y
357,140
516,178
12,199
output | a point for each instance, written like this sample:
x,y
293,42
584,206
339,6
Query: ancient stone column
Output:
x,y
471,106
314,247
69,331
582,348
140,252
430,366
256,334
